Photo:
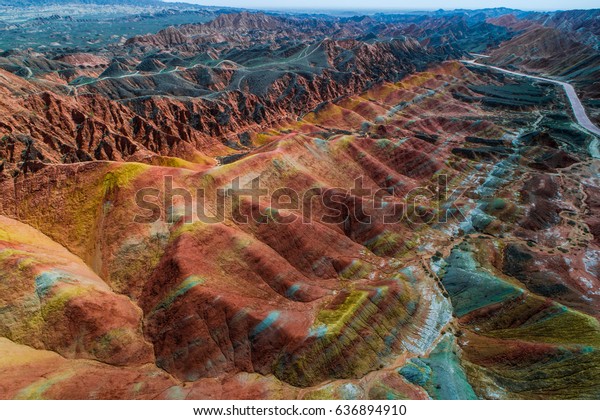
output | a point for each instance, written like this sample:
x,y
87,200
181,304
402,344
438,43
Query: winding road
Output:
x,y
578,110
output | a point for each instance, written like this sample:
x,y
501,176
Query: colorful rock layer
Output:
x,y
486,288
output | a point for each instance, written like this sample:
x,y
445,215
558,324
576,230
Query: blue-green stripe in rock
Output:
x,y
440,374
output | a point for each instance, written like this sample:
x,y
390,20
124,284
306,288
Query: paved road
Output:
x,y
578,109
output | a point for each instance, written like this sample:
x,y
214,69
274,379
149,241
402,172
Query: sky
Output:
x,y
406,5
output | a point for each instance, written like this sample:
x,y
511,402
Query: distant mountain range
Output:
x,y
20,3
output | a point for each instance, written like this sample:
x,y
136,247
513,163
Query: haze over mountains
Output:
x,y
471,271
21,3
